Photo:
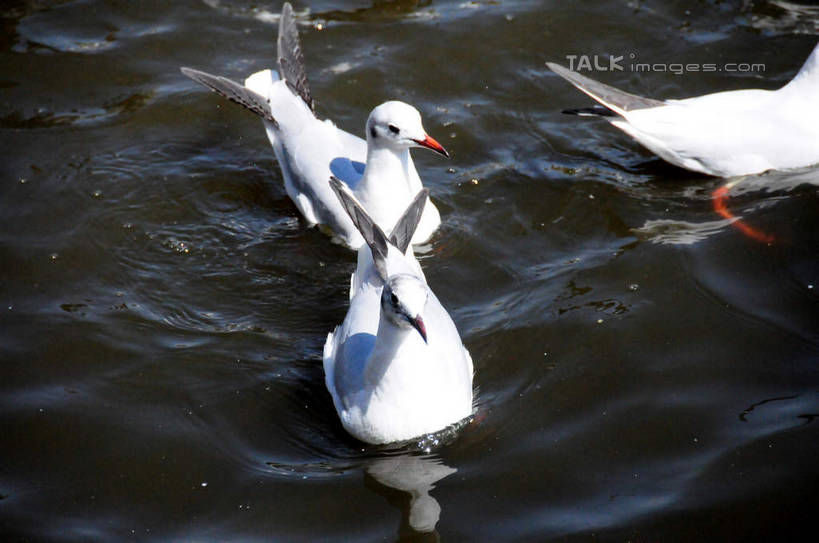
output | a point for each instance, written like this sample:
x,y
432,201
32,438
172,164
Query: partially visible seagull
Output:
x,y
379,171
396,367
723,134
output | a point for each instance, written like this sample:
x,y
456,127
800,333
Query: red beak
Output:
x,y
430,143
418,323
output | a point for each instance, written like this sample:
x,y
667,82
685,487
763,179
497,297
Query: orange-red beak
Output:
x,y
418,324
430,143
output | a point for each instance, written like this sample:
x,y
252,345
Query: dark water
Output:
x,y
646,372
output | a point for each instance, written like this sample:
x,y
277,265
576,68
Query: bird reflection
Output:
x,y
410,476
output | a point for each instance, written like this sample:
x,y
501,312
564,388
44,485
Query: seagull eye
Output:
x,y
394,299
394,129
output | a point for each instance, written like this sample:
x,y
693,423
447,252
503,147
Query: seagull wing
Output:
x,y
614,99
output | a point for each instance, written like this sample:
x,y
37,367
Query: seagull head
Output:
x,y
403,300
398,125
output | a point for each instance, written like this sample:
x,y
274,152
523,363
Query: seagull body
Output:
x,y
379,171
396,367
723,134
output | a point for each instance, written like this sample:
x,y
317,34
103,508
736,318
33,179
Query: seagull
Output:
x,y
723,134
379,171
396,367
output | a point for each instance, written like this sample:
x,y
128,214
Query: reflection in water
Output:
x,y
783,411
784,180
675,232
719,198
783,17
765,190
175,336
744,415
415,475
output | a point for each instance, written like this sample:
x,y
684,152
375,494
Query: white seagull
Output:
x,y
396,367
723,134
310,150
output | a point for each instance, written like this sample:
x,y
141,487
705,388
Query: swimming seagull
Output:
x,y
396,367
723,134
310,150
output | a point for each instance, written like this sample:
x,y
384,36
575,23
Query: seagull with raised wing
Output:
x,y
723,134
379,171
396,367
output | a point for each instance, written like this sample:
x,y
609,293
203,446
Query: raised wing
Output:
x,y
291,58
234,92
404,228
372,234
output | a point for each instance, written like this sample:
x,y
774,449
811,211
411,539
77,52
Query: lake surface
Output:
x,y
645,371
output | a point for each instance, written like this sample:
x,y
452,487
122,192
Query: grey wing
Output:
x,y
372,234
291,58
234,92
614,99
404,228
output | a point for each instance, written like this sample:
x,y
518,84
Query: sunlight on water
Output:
x,y
645,369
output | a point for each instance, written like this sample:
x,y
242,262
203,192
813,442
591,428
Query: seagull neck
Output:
x,y
386,170
388,343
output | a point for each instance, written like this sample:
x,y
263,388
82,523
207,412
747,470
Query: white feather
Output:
x,y
726,133
387,384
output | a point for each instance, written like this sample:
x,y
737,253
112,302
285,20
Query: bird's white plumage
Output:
x,y
310,150
379,172
305,147
728,133
387,383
